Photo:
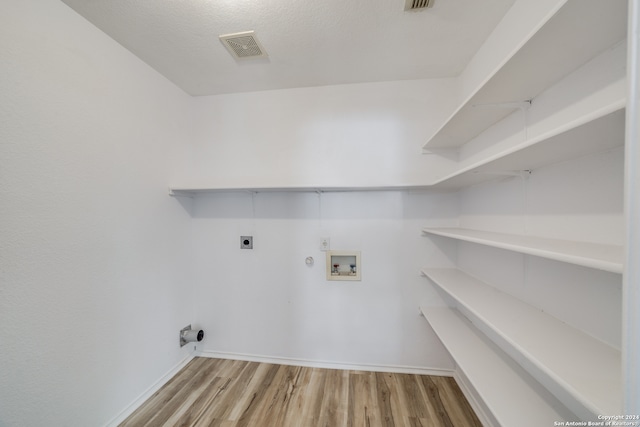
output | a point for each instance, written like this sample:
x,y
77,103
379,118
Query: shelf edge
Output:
x,y
584,261
530,143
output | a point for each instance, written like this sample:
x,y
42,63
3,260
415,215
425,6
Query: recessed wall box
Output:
x,y
343,265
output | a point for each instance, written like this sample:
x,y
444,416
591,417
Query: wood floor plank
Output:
x,y
191,415
308,406
239,396
455,404
432,393
301,400
255,396
333,410
419,422
237,377
363,406
400,407
278,398
184,397
414,398
169,396
250,414
255,384
384,400
227,393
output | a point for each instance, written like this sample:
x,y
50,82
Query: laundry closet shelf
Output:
x,y
595,131
195,191
577,32
508,392
581,371
593,255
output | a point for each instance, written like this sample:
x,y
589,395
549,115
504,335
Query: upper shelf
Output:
x,y
193,191
593,132
593,255
576,33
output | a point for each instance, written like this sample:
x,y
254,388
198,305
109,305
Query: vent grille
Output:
x,y
243,45
418,4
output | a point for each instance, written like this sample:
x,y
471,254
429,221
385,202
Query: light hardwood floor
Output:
x,y
228,393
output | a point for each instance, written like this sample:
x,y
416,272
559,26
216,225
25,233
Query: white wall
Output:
x,y
94,256
267,302
361,134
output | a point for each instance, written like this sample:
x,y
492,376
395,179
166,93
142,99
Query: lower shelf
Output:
x,y
581,371
510,394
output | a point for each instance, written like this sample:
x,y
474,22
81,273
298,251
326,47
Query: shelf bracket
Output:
x,y
523,174
179,194
449,153
522,105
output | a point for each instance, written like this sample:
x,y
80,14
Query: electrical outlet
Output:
x,y
246,242
325,243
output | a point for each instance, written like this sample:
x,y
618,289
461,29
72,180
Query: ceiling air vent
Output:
x,y
418,4
243,45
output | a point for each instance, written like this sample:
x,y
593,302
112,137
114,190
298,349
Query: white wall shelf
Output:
x,y
581,371
572,68
593,255
576,33
596,131
593,132
195,191
511,396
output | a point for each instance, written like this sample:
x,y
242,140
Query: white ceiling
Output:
x,y
310,43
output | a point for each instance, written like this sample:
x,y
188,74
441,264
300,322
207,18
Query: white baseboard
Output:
x,y
149,392
324,364
474,400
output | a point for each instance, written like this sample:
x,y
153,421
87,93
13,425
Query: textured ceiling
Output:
x,y
310,43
